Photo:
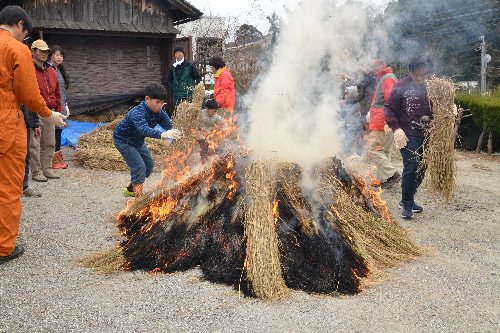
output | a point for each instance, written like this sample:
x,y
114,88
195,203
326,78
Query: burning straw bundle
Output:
x,y
186,118
440,155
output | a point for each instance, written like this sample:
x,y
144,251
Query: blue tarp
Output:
x,y
74,130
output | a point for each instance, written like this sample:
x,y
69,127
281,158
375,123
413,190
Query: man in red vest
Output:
x,y
381,138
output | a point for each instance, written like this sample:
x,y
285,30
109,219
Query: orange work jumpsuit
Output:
x,y
18,85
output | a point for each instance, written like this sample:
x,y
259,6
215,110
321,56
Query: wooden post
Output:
x,y
458,120
490,143
480,142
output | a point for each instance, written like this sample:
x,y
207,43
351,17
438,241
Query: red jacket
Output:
x,y
224,92
385,81
49,86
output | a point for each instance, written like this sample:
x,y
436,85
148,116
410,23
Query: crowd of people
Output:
x,y
33,109
398,112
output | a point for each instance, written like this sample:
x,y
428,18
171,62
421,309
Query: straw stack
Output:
x,y
439,158
262,265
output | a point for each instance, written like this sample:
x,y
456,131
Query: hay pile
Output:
x,y
439,157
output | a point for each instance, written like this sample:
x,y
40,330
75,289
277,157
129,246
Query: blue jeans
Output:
x,y
138,160
412,175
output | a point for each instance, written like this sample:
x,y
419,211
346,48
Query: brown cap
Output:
x,y
40,44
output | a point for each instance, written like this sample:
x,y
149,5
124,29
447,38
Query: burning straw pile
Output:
x,y
440,155
250,224
268,235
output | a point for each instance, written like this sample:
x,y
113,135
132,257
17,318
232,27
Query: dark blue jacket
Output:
x,y
409,108
138,124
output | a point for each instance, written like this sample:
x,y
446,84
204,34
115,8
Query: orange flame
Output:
x,y
275,211
379,203
230,174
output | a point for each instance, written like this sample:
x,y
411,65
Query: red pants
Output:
x,y
12,159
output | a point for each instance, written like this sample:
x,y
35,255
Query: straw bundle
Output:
x,y
107,261
379,242
439,157
262,265
288,177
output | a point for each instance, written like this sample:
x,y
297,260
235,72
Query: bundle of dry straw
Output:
x,y
439,157
262,264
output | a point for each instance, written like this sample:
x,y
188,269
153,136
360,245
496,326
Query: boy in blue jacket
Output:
x,y
131,131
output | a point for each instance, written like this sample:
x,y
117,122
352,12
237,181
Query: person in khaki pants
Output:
x,y
380,139
42,146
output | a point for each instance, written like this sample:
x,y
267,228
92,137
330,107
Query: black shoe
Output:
x,y
416,208
391,180
18,251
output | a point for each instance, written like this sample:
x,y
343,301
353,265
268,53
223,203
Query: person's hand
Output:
x,y
56,119
387,129
37,132
173,134
400,138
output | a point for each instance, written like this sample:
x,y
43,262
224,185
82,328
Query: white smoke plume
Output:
x,y
294,113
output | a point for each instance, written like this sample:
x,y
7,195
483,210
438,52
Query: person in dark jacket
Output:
x,y
131,131
408,113
32,124
181,77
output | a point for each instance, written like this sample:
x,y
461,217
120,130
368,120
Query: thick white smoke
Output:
x,y
294,113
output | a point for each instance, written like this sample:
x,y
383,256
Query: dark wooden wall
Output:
x,y
144,12
102,68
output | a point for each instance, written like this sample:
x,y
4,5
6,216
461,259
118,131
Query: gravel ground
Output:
x,y
456,288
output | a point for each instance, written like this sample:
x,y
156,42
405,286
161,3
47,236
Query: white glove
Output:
x,y
56,119
400,138
66,108
173,134
387,129
368,117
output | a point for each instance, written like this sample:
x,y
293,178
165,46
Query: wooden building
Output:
x,y
113,48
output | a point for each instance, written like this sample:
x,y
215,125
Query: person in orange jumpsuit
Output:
x,y
18,85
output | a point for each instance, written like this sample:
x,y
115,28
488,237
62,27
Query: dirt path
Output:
x,y
456,288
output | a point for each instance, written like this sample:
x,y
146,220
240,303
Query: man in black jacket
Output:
x,y
32,124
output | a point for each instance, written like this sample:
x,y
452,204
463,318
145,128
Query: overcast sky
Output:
x,y
245,11
255,11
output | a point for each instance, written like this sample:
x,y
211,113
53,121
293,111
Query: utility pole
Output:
x,y
483,66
